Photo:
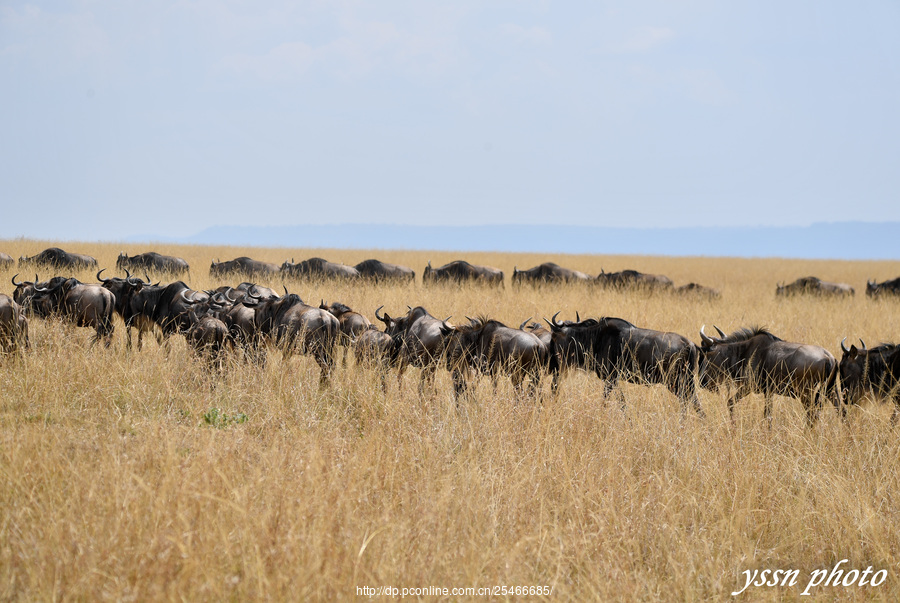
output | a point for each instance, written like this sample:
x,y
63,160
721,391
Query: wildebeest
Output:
x,y
6,260
85,305
54,257
242,266
874,289
549,272
152,262
207,334
616,349
13,325
288,322
874,372
629,279
373,350
24,291
459,271
490,347
382,271
537,329
752,360
698,291
418,340
352,324
811,285
317,267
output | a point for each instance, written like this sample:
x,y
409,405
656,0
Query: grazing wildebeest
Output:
x,y
874,289
289,322
632,279
459,271
207,334
382,271
352,324
489,347
418,340
6,260
85,305
152,262
373,350
242,266
874,372
317,267
54,257
13,325
549,272
696,290
616,349
810,285
753,360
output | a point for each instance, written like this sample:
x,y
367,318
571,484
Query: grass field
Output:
x,y
143,476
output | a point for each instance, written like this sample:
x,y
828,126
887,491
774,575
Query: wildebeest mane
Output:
x,y
747,333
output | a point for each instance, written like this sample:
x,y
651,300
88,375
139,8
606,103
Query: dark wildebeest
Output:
x,y
207,334
152,262
373,350
55,257
459,271
418,340
698,291
549,272
616,349
317,267
537,329
874,289
6,260
632,279
874,372
24,291
85,305
490,347
352,324
810,285
288,322
382,271
755,361
242,266
13,325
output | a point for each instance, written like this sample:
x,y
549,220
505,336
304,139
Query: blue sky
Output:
x,y
124,118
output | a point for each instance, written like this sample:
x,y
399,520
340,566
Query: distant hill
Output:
x,y
837,240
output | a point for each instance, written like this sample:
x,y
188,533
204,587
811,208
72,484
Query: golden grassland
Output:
x,y
119,481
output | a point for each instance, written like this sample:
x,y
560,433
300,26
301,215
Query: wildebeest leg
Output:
x,y
459,385
611,383
812,408
767,410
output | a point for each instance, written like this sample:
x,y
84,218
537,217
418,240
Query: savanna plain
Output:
x,y
144,475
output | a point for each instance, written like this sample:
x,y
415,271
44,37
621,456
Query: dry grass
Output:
x,y
114,486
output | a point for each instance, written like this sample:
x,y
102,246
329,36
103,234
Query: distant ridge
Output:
x,y
836,240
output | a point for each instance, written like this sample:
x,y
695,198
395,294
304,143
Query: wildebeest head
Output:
x,y
24,291
715,360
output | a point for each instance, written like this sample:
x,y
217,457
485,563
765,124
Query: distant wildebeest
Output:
x,y
549,272
810,285
627,279
753,360
874,372
242,266
874,289
382,271
6,260
152,262
352,324
616,349
489,347
13,325
459,271
698,291
289,323
418,340
54,257
85,305
318,268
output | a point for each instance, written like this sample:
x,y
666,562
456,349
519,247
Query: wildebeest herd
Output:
x,y
250,319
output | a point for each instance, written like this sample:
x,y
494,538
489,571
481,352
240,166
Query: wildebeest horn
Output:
x,y
14,280
285,289
864,348
577,317
99,278
844,346
522,326
721,334
706,338
186,299
553,320
322,305
378,316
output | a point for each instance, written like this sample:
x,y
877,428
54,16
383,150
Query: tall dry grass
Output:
x,y
117,482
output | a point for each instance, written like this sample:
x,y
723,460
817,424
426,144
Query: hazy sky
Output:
x,y
120,118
